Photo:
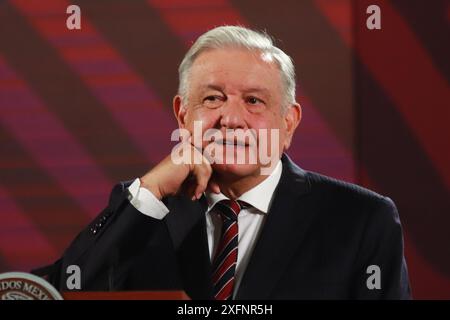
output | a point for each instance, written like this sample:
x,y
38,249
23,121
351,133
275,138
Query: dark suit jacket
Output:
x,y
318,240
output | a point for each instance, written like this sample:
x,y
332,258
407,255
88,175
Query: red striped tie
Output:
x,y
225,259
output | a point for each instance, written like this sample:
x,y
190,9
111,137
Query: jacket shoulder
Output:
x,y
322,183
346,197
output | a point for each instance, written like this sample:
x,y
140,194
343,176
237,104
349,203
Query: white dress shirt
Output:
x,y
250,219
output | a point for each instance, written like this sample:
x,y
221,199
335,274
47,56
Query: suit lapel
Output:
x,y
187,226
284,229
287,222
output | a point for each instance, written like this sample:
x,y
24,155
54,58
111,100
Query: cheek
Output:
x,y
257,122
270,124
208,118
266,123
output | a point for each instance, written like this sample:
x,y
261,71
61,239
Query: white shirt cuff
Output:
x,y
145,201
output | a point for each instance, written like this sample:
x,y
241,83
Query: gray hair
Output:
x,y
239,37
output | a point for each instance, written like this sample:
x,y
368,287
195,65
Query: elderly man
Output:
x,y
218,228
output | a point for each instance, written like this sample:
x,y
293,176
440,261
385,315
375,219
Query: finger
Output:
x,y
202,184
192,143
197,157
188,187
209,153
202,175
212,185
191,191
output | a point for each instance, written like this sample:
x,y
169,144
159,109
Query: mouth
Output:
x,y
236,143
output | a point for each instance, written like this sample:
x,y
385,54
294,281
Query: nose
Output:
x,y
233,114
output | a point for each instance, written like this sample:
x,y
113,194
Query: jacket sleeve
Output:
x,y
381,271
107,244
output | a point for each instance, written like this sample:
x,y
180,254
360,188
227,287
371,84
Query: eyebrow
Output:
x,y
251,89
258,89
213,87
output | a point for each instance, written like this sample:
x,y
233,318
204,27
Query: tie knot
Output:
x,y
229,209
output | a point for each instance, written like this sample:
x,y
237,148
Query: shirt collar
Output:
x,y
258,197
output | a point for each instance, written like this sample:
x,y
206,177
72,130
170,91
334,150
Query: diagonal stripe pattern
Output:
x,y
225,259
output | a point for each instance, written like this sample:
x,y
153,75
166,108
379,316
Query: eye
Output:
x,y
254,100
213,101
213,98
210,98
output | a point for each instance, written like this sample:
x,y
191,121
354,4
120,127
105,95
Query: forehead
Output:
x,y
235,69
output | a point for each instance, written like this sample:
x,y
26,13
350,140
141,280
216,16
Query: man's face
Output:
x,y
231,89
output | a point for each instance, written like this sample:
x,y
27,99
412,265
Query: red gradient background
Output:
x,y
83,109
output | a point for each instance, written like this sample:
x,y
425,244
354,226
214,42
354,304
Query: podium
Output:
x,y
27,286
125,295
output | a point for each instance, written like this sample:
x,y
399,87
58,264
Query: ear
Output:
x,y
179,110
292,119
